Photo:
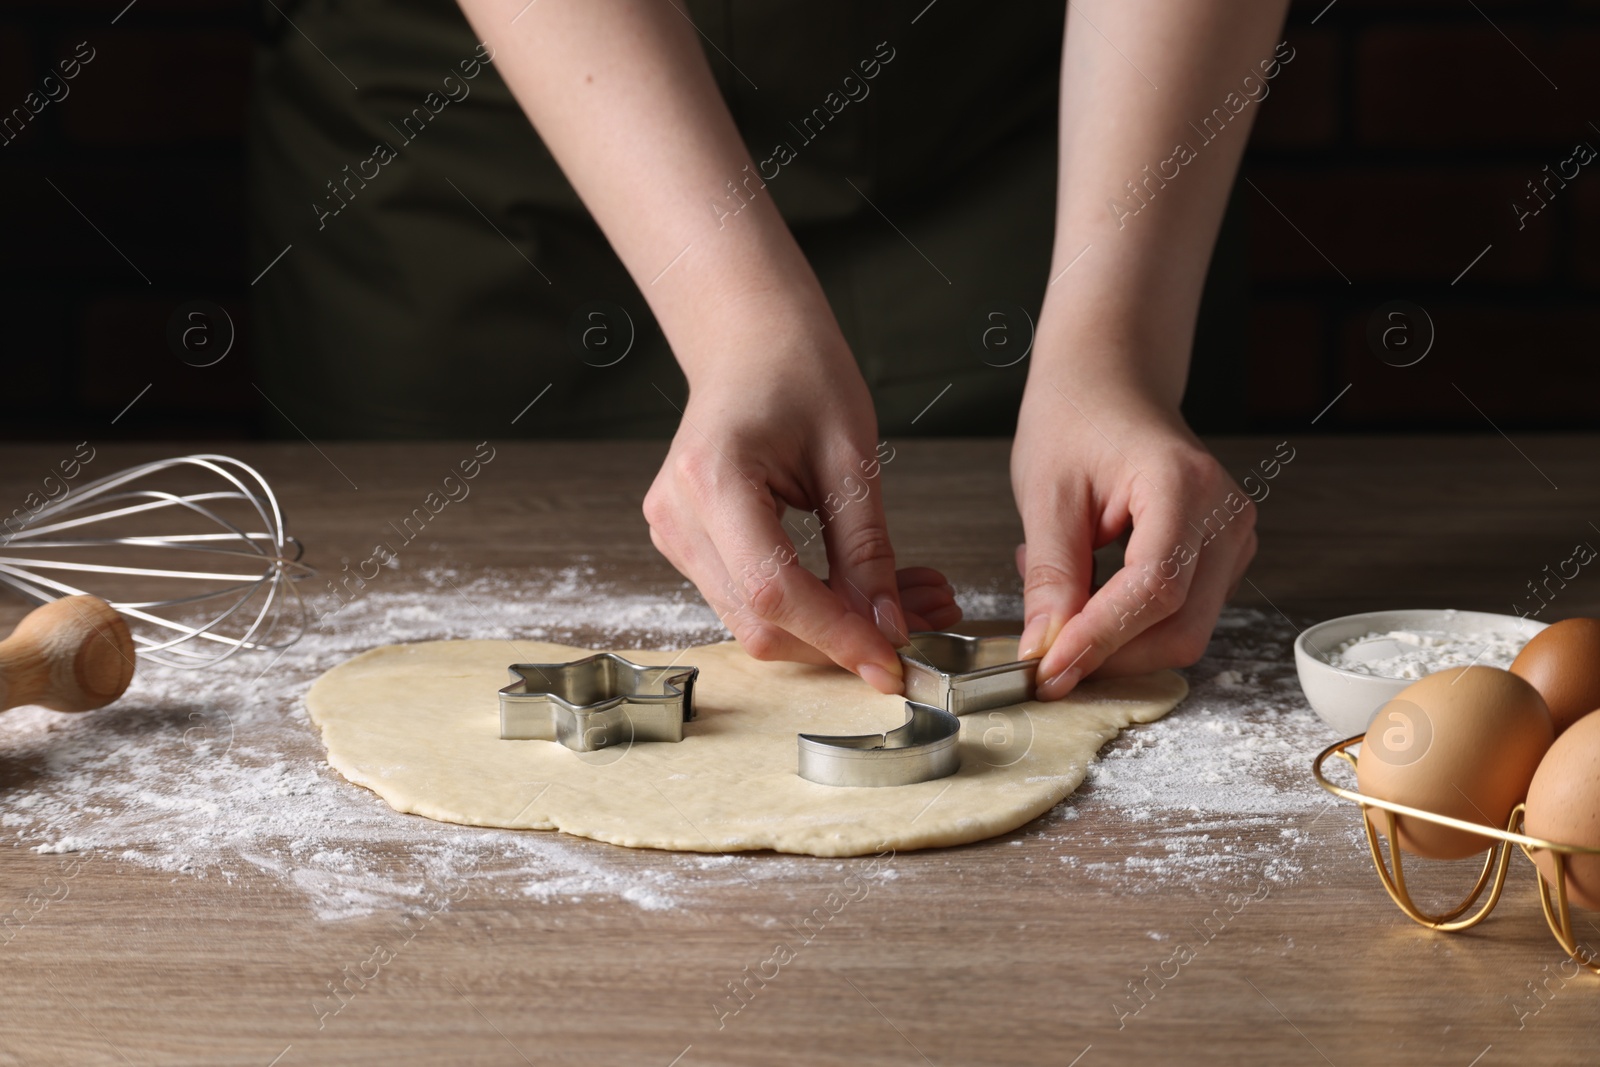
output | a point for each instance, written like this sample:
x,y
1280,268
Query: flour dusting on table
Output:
x,y
220,774
1224,782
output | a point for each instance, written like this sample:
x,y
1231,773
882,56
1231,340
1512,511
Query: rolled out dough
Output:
x,y
419,725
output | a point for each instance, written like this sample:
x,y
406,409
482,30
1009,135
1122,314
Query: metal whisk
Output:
x,y
235,576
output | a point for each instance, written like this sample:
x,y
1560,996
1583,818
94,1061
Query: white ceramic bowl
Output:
x,y
1347,700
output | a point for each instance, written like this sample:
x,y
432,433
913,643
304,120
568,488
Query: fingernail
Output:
x,y
1060,684
1035,638
891,623
880,679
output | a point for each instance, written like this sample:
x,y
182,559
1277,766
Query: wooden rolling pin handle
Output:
x,y
72,654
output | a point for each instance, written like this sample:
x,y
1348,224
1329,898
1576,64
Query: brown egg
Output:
x,y
1563,663
1564,807
1464,742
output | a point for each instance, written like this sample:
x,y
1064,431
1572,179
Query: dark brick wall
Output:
x,y
145,152
1386,160
1391,154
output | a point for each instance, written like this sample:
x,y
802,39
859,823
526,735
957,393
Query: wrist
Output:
x,y
1118,328
1106,367
772,334
737,293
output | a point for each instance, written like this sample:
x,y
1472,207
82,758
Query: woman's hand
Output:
x,y
1083,468
778,415
768,428
1100,444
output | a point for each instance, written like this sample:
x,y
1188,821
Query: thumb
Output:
x,y
1057,567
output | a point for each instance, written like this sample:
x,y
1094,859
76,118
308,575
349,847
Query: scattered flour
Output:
x,y
1223,783
220,774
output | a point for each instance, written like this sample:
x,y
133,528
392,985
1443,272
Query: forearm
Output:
x,y
1157,100
623,97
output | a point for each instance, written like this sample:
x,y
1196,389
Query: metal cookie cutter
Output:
x,y
946,675
966,674
920,751
597,702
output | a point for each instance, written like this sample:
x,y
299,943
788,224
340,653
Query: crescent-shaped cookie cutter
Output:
x,y
920,751
964,674
596,702
946,675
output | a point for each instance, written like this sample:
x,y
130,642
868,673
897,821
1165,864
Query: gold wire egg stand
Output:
x,y
1557,912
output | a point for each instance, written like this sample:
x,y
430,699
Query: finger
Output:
x,y
1181,639
924,600
861,558
1154,581
1056,563
926,607
936,619
917,582
914,577
927,598
761,559
688,549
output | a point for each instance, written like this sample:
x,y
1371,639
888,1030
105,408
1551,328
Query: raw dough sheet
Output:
x,y
419,725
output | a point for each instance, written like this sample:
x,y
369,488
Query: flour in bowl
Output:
x,y
1418,653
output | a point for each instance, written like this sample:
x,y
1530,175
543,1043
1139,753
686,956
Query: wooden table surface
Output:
x,y
975,955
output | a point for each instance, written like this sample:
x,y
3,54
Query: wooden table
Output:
x,y
976,955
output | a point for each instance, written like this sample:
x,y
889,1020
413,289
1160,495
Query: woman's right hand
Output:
x,y
623,97
790,426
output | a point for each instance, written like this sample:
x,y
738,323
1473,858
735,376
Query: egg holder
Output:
x,y
1557,913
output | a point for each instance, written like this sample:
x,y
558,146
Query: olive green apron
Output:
x,y
441,274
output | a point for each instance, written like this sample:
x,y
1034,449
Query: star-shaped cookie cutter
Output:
x,y
596,702
966,674
920,751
